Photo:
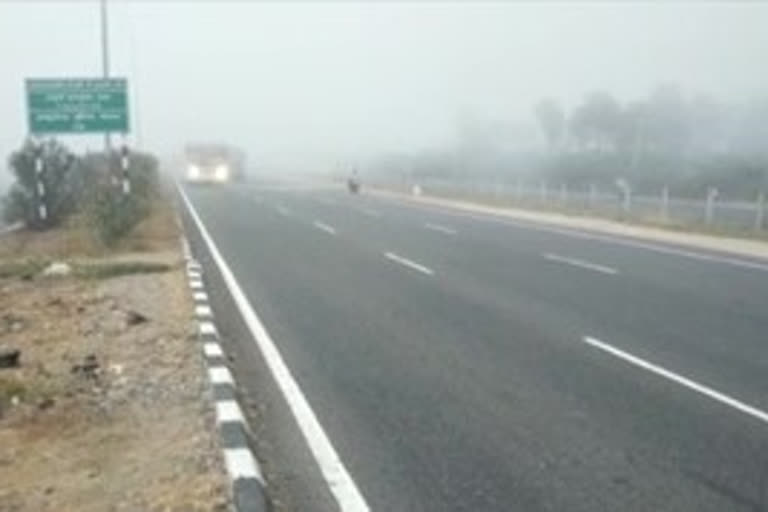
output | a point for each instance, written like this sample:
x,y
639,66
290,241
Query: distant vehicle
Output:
x,y
213,163
353,183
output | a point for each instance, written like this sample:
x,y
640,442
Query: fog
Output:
x,y
302,86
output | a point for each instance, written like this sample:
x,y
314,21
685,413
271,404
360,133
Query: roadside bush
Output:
x,y
112,213
59,179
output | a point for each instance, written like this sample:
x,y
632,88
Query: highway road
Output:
x,y
461,362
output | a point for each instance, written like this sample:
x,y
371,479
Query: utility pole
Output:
x,y
105,61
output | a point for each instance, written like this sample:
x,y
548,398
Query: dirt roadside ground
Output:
x,y
735,246
109,409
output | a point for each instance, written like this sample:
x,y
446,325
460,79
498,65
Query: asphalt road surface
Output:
x,y
461,362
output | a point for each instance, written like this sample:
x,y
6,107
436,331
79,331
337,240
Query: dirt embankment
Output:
x,y
107,409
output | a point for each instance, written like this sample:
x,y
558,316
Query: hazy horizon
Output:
x,y
298,83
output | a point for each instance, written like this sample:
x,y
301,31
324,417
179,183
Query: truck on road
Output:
x,y
213,163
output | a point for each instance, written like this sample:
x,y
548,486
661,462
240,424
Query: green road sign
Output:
x,y
82,105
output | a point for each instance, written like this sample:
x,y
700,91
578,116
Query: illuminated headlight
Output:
x,y
222,173
193,172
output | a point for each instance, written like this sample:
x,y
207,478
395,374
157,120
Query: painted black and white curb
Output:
x,y
248,486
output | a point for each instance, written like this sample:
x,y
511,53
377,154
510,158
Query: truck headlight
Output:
x,y
222,173
193,172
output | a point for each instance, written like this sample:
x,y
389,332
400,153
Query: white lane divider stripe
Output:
x,y
409,263
440,229
324,227
679,379
580,263
339,481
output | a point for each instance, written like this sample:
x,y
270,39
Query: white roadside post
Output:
x,y
665,203
124,166
710,211
40,191
760,211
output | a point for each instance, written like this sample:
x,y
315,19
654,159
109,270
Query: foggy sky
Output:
x,y
295,82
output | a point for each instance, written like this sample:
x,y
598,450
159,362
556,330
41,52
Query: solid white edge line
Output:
x,y
339,481
679,379
220,375
409,263
241,464
229,410
324,227
440,229
579,263
211,349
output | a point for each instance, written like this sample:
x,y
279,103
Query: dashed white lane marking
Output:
x,y
679,379
533,225
207,328
240,464
409,263
196,284
580,263
229,410
339,481
220,375
324,227
440,229
203,310
211,349
200,297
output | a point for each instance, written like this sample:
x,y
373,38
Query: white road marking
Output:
x,y
229,410
207,328
580,263
203,310
440,229
282,210
410,264
194,266
211,349
339,481
196,284
220,375
240,464
194,274
200,296
324,227
679,379
577,233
